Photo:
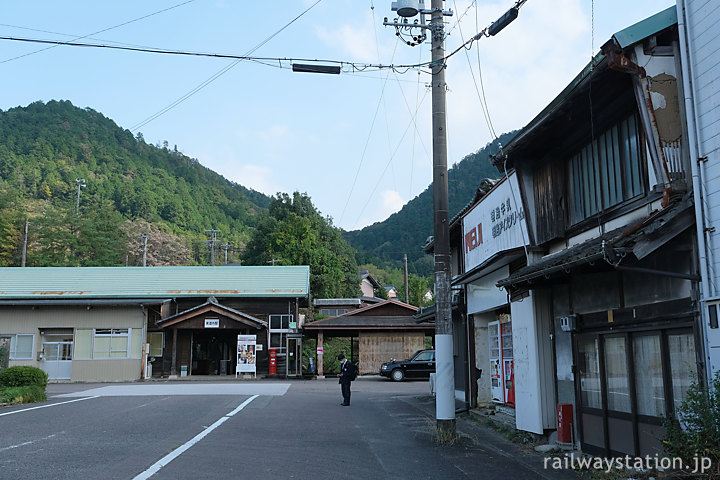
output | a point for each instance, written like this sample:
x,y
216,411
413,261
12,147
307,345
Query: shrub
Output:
x,y
18,395
694,431
23,376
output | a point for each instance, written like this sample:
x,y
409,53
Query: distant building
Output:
x,y
105,324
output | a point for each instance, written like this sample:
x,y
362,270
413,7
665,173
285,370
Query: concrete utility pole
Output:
x,y
226,247
211,244
80,184
444,368
407,291
23,261
144,248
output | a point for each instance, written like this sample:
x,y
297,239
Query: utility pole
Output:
x,y
226,247
444,368
80,184
211,244
407,291
23,261
144,248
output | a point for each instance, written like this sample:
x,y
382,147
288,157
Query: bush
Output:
x,y
694,431
18,395
23,376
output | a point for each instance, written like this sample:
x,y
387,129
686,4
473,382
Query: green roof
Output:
x,y
647,27
153,282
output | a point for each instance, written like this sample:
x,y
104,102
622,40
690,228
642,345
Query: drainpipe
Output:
x,y
697,169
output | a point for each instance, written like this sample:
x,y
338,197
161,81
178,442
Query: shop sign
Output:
x,y
496,224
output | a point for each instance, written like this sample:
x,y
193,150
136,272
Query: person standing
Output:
x,y
347,370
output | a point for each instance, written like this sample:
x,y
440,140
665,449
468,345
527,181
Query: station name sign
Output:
x,y
496,224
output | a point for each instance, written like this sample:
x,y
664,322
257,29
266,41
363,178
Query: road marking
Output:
x,y
154,468
266,389
26,443
46,406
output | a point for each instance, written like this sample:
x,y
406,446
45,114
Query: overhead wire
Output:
x,y
103,30
355,66
217,74
392,157
369,136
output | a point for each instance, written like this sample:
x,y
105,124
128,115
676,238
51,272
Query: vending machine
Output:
x,y
502,377
496,381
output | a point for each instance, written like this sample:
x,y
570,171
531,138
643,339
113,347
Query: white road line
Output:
x,y
26,443
180,450
46,406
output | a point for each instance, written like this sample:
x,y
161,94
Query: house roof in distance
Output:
x,y
153,282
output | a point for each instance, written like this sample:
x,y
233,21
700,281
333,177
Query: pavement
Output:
x,y
293,429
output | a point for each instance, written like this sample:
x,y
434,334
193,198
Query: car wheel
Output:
x,y
398,375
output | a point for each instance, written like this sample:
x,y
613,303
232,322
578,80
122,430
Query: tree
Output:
x,y
294,233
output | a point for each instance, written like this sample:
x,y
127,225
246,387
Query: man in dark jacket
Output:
x,y
347,371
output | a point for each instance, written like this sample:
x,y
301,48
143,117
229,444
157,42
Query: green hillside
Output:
x,y
384,243
44,148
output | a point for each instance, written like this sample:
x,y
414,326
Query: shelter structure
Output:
x,y
125,323
383,330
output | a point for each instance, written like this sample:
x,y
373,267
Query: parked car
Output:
x,y
420,365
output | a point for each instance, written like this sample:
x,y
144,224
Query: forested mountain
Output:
x,y
134,188
384,243
138,187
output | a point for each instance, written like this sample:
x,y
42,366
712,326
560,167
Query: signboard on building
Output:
x,y
246,354
494,225
212,323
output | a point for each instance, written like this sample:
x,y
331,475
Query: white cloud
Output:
x,y
356,39
257,177
392,202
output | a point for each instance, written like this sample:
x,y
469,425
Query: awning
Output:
x,y
612,249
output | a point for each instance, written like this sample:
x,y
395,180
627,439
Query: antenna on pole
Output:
x,y
211,244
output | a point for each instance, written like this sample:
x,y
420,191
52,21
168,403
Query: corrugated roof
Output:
x,y
154,282
649,26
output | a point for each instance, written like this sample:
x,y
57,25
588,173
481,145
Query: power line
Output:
x,y
217,74
100,31
353,66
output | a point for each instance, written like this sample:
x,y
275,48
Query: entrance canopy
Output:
x,y
226,316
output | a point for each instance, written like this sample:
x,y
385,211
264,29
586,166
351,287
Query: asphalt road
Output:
x,y
246,429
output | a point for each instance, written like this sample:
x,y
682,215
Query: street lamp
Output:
x,y
80,184
414,33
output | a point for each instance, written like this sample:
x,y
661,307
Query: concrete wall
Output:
x,y
80,320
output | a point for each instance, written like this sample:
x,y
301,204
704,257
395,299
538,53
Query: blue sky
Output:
x,y
357,143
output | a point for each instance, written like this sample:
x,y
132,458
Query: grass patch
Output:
x,y
443,436
20,395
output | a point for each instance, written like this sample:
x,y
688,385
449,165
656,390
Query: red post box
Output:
x,y
273,362
564,422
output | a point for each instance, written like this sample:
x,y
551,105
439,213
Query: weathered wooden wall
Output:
x,y
377,348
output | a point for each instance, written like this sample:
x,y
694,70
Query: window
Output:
x,y
648,375
616,374
332,312
606,172
279,328
21,346
683,369
111,343
157,342
589,373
